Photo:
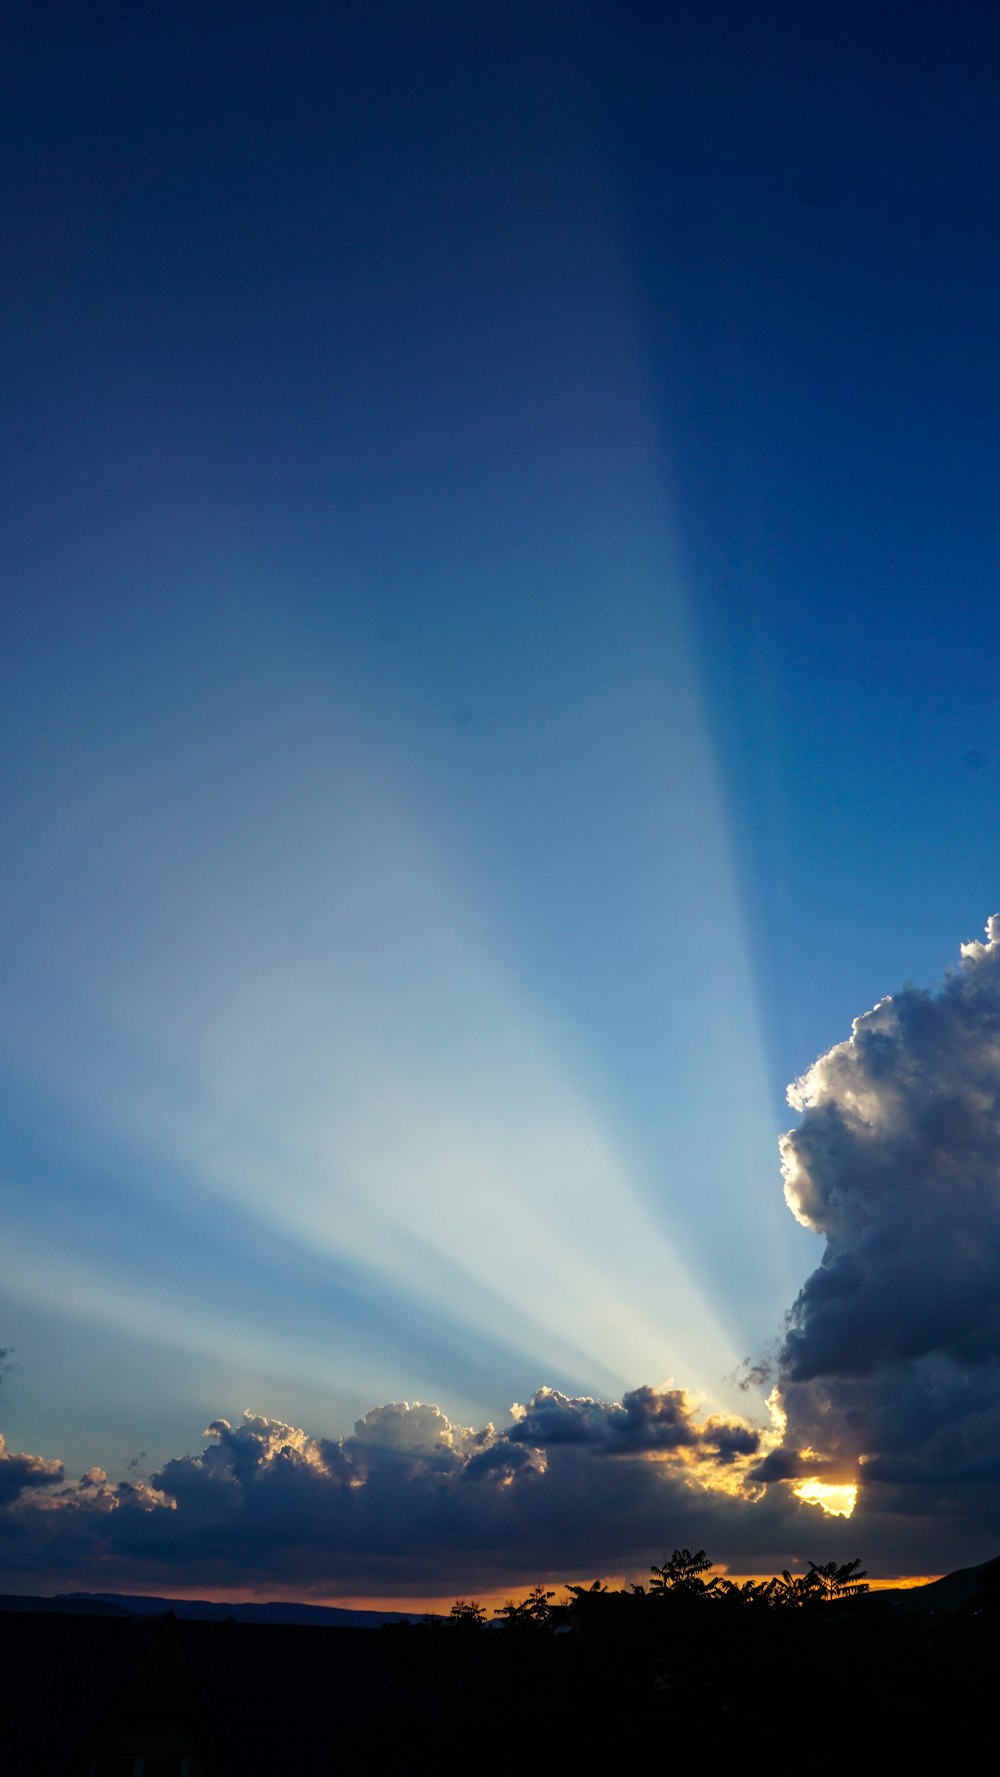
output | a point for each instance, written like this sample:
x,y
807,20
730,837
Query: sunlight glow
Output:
x,y
838,1500
308,1016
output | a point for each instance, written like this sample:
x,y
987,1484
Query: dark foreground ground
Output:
x,y
627,1679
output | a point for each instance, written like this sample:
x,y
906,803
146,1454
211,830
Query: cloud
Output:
x,y
420,1436
890,1365
20,1474
410,1502
645,1419
887,1376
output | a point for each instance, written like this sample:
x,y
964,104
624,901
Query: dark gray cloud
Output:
x,y
411,1502
890,1365
653,1419
20,1474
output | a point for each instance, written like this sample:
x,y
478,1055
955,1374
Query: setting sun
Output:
x,y
838,1500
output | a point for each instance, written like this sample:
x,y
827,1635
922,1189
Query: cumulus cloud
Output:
x,y
93,1494
646,1419
888,1376
890,1365
413,1502
20,1474
420,1436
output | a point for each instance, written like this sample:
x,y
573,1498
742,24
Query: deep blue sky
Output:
x,y
499,568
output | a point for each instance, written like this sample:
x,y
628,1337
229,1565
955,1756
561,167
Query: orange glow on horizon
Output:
x,y
490,1598
905,1583
439,1603
888,1583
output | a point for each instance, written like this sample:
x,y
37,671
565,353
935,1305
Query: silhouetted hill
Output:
x,y
80,1606
321,1616
968,1588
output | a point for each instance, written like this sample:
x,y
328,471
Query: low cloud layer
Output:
x,y
888,1376
411,1503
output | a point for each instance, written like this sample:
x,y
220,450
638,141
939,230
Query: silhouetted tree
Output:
x,y
793,1589
681,1576
594,1590
758,1592
531,1613
820,1585
831,1582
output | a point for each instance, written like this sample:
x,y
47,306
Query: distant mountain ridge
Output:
x,y
968,1588
205,1610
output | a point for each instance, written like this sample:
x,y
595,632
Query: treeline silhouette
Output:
x,y
683,1577
807,1669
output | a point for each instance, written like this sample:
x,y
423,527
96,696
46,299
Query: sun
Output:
x,y
839,1499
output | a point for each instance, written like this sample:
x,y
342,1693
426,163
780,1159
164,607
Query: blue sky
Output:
x,y
500,672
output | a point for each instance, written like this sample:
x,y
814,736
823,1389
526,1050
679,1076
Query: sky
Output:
x,y
499,667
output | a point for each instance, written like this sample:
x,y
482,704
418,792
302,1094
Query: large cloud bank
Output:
x,y
408,1503
890,1364
888,1376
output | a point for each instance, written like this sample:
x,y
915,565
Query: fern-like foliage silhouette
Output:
x,y
683,1575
